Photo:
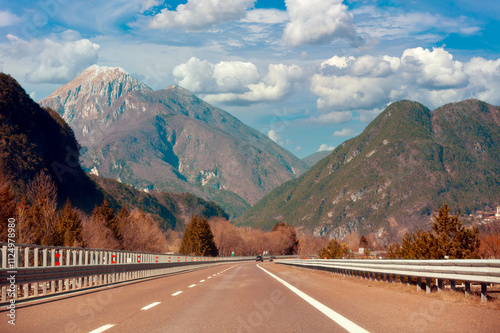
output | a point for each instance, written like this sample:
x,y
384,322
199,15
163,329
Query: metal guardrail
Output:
x,y
29,271
480,271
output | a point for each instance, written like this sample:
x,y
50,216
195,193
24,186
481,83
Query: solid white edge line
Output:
x,y
102,328
342,321
191,286
177,293
147,307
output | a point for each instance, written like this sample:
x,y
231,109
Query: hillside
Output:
x,y
169,140
33,139
394,175
312,159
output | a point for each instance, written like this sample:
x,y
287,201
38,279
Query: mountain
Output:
x,y
314,158
33,139
169,140
401,169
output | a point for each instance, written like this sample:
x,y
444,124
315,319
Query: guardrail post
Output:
x,y
44,264
439,283
80,263
484,298
427,286
408,282
35,264
419,283
452,285
26,286
52,264
467,288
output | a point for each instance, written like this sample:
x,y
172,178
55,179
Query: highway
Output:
x,y
249,297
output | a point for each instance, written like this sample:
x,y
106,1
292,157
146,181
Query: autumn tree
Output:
x,y
490,241
287,238
42,194
198,239
140,232
447,239
7,207
226,236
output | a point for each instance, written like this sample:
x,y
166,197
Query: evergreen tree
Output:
x,y
334,250
198,239
69,227
448,238
106,213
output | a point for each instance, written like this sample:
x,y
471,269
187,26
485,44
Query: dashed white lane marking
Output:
x,y
209,277
103,328
177,293
342,321
202,280
191,286
147,307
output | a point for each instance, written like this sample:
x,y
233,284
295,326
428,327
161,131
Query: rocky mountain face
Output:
x,y
169,140
33,139
396,174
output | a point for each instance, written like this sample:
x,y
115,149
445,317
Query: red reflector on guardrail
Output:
x,y
57,263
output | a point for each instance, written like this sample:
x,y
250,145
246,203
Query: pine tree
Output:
x,y
69,227
334,250
106,213
198,239
448,239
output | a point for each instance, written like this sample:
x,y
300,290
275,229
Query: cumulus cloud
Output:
x,y
432,77
7,18
344,132
317,21
236,81
325,147
199,14
58,59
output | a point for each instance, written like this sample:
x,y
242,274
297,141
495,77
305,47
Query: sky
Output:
x,y
310,74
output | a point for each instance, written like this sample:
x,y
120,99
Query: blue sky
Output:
x,y
308,73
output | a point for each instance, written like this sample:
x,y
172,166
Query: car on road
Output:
x,y
272,258
259,258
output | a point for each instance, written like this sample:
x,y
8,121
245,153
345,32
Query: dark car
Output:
x,y
259,258
272,258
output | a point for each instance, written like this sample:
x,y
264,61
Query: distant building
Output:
x,y
498,213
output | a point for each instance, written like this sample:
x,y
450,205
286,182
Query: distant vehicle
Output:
x,y
272,258
259,258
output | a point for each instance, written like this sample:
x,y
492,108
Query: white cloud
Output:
x,y
236,81
432,77
7,18
484,77
344,132
199,14
325,147
336,117
58,60
316,21
273,136
298,148
433,69
266,16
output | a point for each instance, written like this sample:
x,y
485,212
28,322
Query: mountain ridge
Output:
x,y
394,174
172,140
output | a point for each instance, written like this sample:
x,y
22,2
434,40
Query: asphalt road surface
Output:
x,y
248,297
